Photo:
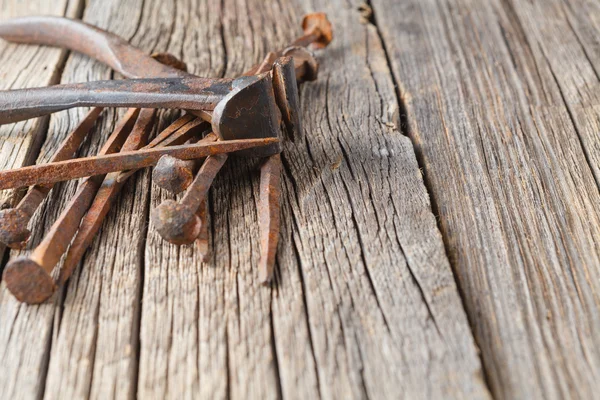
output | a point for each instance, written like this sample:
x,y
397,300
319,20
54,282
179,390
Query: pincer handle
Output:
x,y
78,36
195,94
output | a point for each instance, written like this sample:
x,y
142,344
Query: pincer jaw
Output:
x,y
258,107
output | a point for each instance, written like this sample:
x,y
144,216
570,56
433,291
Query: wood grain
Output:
x,y
21,67
347,298
25,339
364,304
502,107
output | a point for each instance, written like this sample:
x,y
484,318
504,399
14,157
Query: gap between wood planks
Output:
x,y
404,128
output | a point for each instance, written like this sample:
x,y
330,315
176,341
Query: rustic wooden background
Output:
x,y
441,221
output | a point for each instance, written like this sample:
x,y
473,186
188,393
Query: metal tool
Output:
x,y
243,108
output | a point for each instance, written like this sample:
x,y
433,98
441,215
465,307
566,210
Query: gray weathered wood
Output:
x,y
364,305
503,111
24,340
347,301
27,66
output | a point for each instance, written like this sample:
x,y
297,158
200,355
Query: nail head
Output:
x,y
28,281
176,223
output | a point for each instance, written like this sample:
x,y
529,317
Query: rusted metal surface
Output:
x,y
175,134
173,174
268,216
28,278
173,127
141,130
111,186
92,221
100,165
78,36
13,221
264,66
176,175
183,93
305,64
263,119
286,95
318,32
246,112
170,60
124,58
191,93
244,108
178,222
173,167
200,95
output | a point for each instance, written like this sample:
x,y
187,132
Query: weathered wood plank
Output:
x,y
25,331
499,95
91,301
94,354
27,66
365,304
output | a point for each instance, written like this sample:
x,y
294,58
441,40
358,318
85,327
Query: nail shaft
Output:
x,y
172,137
13,222
81,167
268,216
169,130
28,278
92,221
204,178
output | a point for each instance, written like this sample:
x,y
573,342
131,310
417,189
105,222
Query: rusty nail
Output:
x,y
112,184
91,222
14,221
306,66
175,134
178,223
103,164
317,31
170,60
175,126
174,174
286,95
268,216
28,278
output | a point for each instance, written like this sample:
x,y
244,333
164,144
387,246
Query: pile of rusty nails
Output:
x,y
247,116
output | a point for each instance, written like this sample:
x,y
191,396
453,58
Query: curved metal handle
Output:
x,y
78,36
184,93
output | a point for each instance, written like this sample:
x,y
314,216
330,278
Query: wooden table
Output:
x,y
441,221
